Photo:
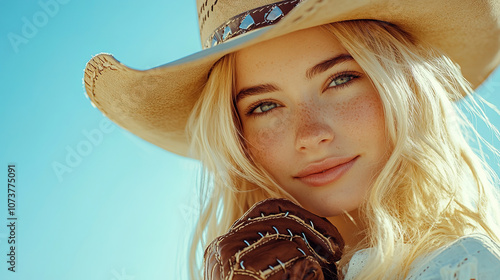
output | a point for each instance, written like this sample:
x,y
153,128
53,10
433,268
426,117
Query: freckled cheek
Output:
x,y
362,114
266,141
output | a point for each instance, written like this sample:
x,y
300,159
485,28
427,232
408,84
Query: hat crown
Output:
x,y
214,13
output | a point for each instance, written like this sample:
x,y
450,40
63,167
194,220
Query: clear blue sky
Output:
x,y
122,208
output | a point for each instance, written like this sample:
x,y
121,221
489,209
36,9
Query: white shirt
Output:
x,y
470,257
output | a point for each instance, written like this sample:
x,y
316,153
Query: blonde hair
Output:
x,y
432,190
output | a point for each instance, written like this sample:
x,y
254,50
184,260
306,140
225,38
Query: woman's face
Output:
x,y
312,118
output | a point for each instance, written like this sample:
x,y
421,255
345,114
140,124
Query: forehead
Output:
x,y
300,49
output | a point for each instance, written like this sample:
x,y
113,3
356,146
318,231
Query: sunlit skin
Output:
x,y
293,116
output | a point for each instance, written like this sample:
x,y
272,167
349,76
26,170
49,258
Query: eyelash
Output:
x,y
346,74
256,105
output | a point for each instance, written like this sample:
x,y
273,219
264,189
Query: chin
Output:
x,y
328,208
324,210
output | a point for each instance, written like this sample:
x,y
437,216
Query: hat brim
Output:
x,y
155,104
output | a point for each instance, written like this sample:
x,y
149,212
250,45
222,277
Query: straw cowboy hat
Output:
x,y
155,104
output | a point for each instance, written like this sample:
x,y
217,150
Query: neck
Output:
x,y
350,226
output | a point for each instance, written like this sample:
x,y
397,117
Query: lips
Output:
x,y
326,171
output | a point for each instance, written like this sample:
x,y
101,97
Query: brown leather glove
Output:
x,y
275,239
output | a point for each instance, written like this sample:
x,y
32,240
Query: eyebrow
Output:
x,y
255,90
327,64
310,73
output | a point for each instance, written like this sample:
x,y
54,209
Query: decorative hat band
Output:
x,y
250,20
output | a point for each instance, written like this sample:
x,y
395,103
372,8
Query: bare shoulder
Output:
x,y
471,257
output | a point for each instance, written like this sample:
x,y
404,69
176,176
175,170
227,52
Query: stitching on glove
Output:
x,y
320,236
273,237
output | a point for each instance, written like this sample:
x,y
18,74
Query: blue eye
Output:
x,y
263,107
341,80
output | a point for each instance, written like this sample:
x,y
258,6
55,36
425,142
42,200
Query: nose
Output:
x,y
312,130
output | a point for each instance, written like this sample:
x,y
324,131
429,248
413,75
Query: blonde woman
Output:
x,y
347,110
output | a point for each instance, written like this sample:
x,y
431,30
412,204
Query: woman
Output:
x,y
353,121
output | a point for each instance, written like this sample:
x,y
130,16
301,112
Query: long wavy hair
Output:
x,y
432,190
